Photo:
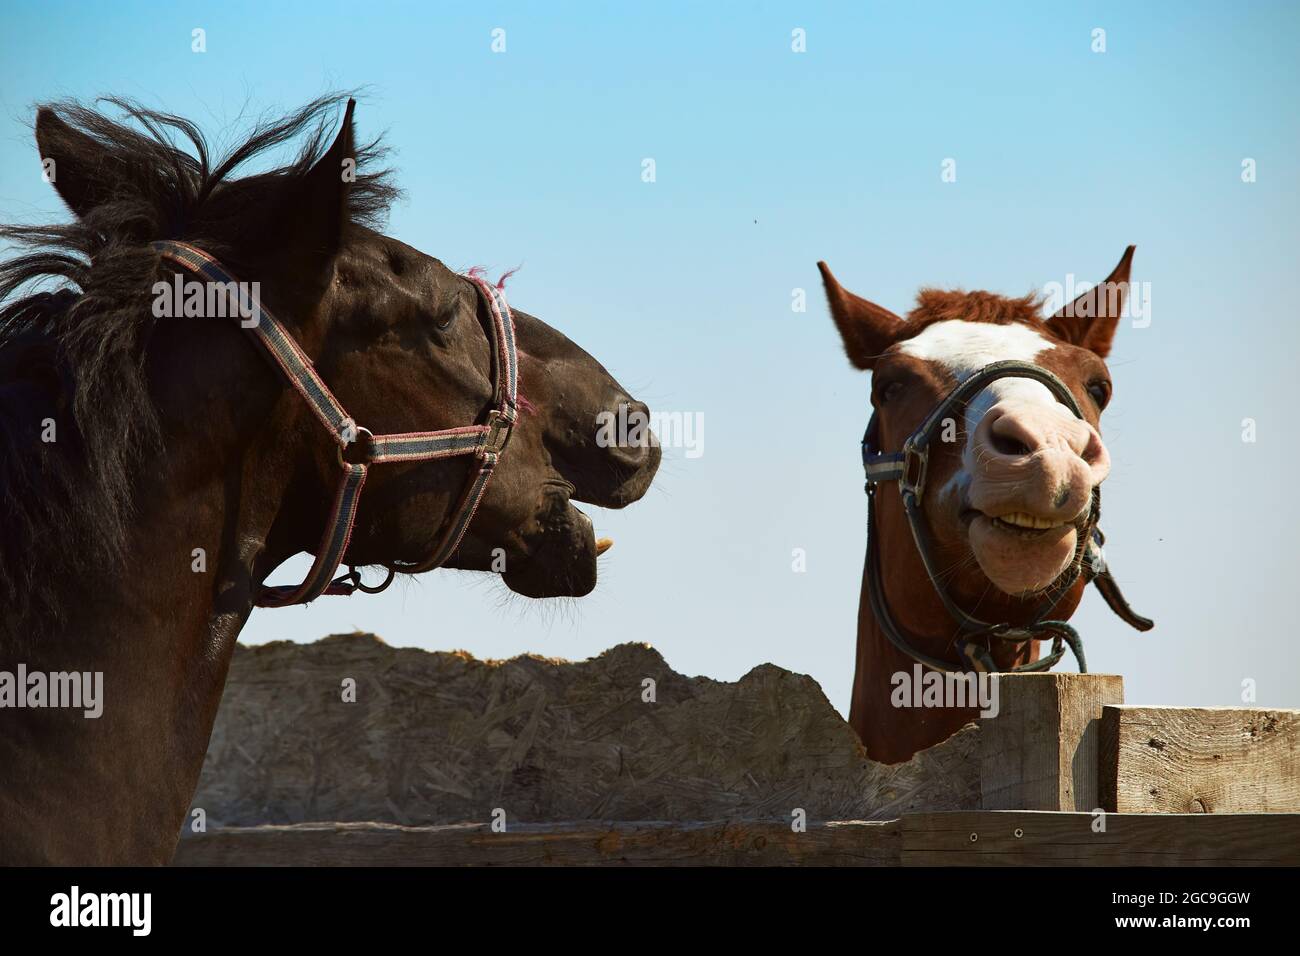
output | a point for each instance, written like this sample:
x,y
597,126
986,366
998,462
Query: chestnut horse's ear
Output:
x,y
866,328
1090,320
83,171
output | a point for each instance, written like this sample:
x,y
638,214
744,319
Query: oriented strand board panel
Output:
x,y
1040,751
1023,838
444,738
851,843
1200,760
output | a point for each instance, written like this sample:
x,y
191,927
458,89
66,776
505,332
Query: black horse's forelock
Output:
x,y
65,504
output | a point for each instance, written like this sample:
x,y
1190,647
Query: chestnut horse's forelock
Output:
x,y
943,305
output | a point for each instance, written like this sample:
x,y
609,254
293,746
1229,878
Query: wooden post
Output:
x,y
1040,752
1200,760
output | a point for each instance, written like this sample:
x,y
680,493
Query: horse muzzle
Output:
x,y
559,553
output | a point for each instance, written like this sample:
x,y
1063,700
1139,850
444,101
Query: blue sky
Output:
x,y
768,160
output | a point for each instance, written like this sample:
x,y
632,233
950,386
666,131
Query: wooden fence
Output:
x,y
1068,776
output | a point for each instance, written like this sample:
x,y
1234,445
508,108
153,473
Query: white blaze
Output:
x,y
963,348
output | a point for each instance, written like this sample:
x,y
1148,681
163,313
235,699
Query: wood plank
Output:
x,y
1002,838
1040,751
1200,760
1028,838
851,843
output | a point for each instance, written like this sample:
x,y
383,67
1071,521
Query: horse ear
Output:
x,y
320,200
865,328
1090,320
83,172
303,229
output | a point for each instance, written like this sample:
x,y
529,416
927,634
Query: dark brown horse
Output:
x,y
1011,490
156,470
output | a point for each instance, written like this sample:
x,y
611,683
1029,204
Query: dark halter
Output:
x,y
484,441
908,467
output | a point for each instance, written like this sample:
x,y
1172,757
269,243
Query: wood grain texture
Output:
x,y
440,738
855,843
1200,760
1026,838
1041,750
1000,838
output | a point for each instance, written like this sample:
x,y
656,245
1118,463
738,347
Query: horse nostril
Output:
x,y
633,444
1094,452
1006,445
638,412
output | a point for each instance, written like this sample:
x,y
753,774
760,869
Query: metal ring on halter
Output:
x,y
355,575
369,441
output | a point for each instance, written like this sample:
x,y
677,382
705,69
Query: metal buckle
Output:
x,y
497,435
915,462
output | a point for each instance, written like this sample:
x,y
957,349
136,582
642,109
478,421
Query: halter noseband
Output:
x,y
484,441
909,468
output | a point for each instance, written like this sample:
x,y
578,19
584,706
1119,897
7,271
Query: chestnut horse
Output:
x,y
155,471
987,417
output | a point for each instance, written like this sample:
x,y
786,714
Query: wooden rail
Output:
x,y
974,838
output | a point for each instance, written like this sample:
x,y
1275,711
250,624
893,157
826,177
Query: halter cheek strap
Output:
x,y
908,468
485,441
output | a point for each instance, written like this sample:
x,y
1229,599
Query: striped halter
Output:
x,y
484,441
974,638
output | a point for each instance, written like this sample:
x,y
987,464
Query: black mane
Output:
x,y
74,353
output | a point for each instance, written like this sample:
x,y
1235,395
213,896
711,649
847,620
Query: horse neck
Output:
x,y
161,629
891,734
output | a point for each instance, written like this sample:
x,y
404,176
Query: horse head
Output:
x,y
1012,479
1012,469
404,344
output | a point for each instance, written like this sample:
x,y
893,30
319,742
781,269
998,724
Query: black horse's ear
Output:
x,y
323,193
318,202
1091,319
866,329
328,184
82,170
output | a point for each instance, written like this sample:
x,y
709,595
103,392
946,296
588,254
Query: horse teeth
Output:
x,y
1022,520
604,544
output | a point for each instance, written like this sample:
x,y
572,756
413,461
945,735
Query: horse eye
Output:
x,y
889,392
1100,392
443,318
